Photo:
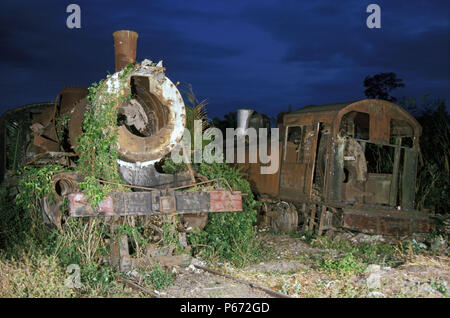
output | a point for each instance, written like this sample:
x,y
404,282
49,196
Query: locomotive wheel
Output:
x,y
286,220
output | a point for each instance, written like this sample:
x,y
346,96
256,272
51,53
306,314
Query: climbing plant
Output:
x,y
98,143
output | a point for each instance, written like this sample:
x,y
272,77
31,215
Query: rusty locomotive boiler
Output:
x,y
344,166
150,124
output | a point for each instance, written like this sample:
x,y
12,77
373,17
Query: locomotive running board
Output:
x,y
157,203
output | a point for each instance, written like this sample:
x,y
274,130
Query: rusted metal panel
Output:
x,y
69,96
225,201
78,206
135,203
378,186
380,112
333,183
409,179
297,167
45,117
45,143
261,183
76,122
192,201
395,173
379,121
44,130
385,221
157,203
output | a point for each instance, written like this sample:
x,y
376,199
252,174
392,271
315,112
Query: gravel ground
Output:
x,y
294,272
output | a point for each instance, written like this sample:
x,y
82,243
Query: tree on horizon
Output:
x,y
379,86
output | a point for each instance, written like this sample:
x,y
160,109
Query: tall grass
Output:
x,y
433,179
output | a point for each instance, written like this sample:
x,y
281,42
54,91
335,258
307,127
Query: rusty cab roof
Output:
x,y
383,116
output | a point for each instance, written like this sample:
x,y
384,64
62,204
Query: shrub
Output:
x,y
228,236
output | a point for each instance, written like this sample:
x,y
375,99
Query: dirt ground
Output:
x,y
293,271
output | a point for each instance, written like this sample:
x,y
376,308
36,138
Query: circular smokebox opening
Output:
x,y
144,114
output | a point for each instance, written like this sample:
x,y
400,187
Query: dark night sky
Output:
x,y
255,54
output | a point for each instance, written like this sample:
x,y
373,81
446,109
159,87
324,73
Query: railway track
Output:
x,y
136,286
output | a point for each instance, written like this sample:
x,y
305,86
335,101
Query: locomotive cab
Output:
x,y
348,165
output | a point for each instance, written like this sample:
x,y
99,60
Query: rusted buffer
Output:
x,y
344,166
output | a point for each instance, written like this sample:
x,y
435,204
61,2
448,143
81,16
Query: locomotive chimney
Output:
x,y
125,42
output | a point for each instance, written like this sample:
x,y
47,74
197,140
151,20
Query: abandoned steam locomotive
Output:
x,y
150,124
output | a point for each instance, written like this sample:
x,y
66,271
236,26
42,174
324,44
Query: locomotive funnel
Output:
x,y
125,43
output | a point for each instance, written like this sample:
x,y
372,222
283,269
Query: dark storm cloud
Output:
x,y
329,40
40,53
261,54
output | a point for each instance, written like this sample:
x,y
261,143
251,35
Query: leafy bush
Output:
x,y
344,265
21,225
228,236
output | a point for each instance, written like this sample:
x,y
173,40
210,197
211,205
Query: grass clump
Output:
x,y
306,235
159,278
34,275
357,255
348,264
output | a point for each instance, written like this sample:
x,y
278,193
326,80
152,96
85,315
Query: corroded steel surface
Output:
x,y
268,184
78,206
65,183
44,124
163,98
69,96
76,122
224,201
389,222
157,203
125,43
46,143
